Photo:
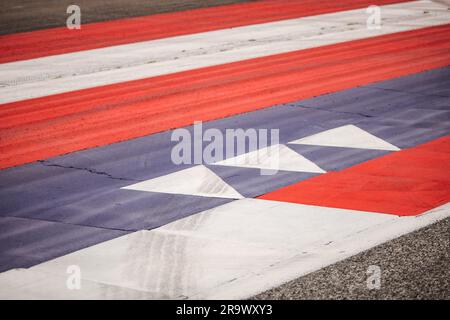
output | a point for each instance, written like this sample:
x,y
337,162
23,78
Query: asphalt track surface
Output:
x,y
411,269
28,15
234,80
414,266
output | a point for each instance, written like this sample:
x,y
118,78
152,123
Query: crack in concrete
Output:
x,y
333,111
56,221
48,164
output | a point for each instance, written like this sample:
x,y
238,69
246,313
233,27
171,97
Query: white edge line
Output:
x,y
324,256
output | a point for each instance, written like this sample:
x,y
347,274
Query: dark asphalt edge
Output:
x,y
24,16
413,266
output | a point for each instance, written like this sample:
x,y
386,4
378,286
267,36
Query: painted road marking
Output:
x,y
29,45
195,181
277,157
92,68
55,125
349,136
214,254
405,183
86,186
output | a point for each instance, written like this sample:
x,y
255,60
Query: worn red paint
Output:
x,y
54,125
41,43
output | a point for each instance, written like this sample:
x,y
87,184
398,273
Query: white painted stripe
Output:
x,y
273,224
79,70
272,159
195,181
232,251
349,136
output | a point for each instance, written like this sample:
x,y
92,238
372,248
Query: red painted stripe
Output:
x,y
29,45
404,183
54,125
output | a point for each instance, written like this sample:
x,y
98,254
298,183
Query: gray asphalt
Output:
x,y
414,266
28,15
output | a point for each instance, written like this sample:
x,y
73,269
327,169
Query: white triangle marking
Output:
x,y
348,136
195,181
277,157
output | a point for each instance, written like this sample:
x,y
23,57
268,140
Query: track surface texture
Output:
x,y
88,132
28,15
414,266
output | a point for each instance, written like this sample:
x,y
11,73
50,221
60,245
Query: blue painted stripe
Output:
x,y
26,242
